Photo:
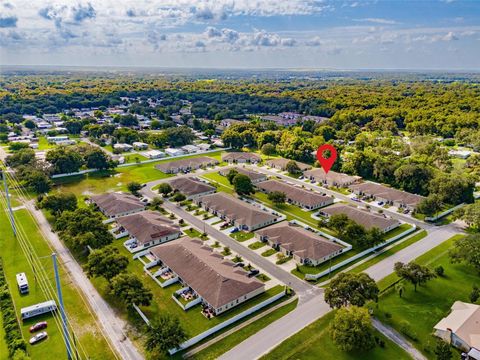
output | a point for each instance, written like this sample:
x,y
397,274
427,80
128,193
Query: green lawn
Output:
x,y
43,144
220,181
421,310
84,323
397,231
115,180
132,158
193,233
257,245
314,342
390,252
222,346
242,235
269,252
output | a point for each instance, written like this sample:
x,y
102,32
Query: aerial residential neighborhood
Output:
x,y
239,180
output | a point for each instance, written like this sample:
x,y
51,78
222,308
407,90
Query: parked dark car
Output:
x,y
38,326
253,273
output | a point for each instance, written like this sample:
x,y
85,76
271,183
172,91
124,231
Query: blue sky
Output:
x,y
440,34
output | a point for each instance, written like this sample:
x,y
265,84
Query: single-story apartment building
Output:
x,y
191,187
243,215
331,178
189,149
362,217
391,196
153,154
148,228
254,176
122,147
461,328
305,246
281,164
114,205
138,145
306,199
204,146
241,158
217,282
174,152
185,165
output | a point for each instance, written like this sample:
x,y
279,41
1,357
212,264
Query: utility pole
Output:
x,y
10,212
62,309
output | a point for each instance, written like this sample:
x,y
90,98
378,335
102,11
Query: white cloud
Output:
x,y
378,21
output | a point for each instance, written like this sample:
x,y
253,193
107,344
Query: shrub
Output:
x,y
406,329
13,334
439,270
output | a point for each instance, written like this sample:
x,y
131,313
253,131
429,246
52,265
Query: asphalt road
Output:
x,y
113,326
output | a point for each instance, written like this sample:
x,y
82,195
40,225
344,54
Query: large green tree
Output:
x,y
164,333
60,202
243,185
414,273
351,329
467,249
130,290
350,289
64,160
106,262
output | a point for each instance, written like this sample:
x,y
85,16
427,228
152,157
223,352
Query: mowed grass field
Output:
x,y
421,310
86,329
314,342
117,179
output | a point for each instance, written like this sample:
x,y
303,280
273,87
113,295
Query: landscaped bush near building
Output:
x,y
13,335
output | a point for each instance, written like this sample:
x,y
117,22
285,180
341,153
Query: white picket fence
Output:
x,y
442,214
56,176
359,255
194,340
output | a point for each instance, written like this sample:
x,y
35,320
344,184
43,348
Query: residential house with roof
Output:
x,y
191,187
186,165
241,158
254,176
114,205
281,164
239,213
362,217
306,199
207,277
388,195
461,328
306,247
332,178
146,229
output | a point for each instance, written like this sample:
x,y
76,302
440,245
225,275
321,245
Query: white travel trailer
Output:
x,y
22,283
38,309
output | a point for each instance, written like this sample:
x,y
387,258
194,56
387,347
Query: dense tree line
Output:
x,y
16,345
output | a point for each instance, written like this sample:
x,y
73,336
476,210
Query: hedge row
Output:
x,y
13,334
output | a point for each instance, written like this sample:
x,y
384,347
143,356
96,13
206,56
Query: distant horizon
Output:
x,y
246,69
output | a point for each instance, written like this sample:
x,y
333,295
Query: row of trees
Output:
x,y
353,233
16,345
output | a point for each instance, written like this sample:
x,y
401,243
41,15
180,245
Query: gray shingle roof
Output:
x,y
301,242
117,203
190,186
148,225
206,272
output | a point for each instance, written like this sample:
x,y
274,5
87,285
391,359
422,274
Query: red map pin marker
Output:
x,y
326,163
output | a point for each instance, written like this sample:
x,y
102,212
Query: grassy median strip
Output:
x,y
314,342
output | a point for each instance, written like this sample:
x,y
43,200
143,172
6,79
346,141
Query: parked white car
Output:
x,y
39,337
